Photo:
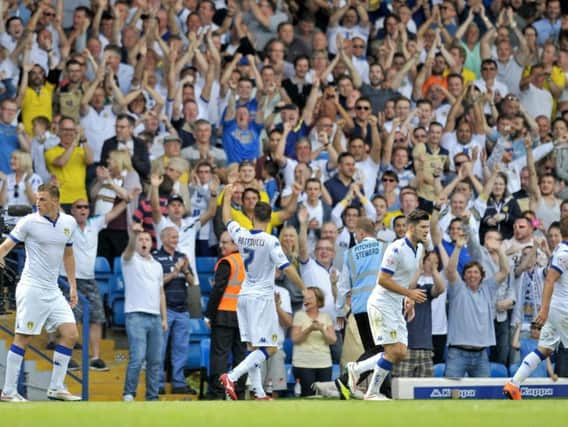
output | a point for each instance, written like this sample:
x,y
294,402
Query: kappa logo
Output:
x,y
263,340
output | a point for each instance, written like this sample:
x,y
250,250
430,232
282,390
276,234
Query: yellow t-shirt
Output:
x,y
389,217
467,74
35,104
245,222
71,177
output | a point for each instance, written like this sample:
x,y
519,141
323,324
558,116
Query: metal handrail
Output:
x,y
62,281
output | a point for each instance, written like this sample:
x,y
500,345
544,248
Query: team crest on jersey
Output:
x,y
274,338
30,325
393,334
67,232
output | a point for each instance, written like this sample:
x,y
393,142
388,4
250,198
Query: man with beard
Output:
x,y
377,90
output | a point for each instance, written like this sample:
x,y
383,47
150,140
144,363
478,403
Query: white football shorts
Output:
x,y
555,329
37,307
387,325
258,320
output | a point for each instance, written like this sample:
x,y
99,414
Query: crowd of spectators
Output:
x,y
328,110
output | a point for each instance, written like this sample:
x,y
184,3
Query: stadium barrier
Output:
x,y
474,388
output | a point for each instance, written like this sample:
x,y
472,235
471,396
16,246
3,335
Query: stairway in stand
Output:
x,y
103,386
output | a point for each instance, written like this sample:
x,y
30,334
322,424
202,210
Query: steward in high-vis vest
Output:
x,y
359,277
222,314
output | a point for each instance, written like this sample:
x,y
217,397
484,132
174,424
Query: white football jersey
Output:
x,y
402,261
559,262
45,243
262,254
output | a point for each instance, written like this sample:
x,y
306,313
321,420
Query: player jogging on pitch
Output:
x,y
256,309
401,261
48,237
552,317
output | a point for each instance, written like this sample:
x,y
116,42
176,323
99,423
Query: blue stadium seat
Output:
x,y
198,330
205,347
498,370
288,348
103,277
118,317
116,300
439,370
527,345
116,287
194,356
205,270
204,302
539,372
117,265
335,371
290,379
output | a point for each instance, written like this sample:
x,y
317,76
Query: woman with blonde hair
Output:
x,y
312,334
19,187
290,245
119,181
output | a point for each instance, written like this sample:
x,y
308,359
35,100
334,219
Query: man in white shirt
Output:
x,y
534,97
86,243
187,226
48,238
146,315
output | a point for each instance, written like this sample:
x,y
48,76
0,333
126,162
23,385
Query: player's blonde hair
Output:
x,y
25,161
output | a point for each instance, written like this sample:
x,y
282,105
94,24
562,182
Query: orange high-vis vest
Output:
x,y
229,299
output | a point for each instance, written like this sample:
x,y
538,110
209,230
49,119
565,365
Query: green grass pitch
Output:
x,y
313,413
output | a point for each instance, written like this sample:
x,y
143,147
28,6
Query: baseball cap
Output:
x,y
175,198
171,138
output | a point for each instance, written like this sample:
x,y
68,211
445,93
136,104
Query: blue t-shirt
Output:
x,y
241,144
301,131
8,143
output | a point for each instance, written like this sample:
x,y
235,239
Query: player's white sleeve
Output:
x,y
20,231
343,288
71,235
559,262
234,229
390,259
277,255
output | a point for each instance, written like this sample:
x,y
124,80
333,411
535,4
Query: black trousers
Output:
x,y
308,376
112,244
225,341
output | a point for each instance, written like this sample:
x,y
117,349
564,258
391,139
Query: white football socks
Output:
x,y
61,358
254,358
13,366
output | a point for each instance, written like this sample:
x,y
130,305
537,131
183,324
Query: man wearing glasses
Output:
x,y
68,162
85,252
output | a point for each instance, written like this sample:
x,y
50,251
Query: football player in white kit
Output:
x,y
256,309
48,238
401,261
552,316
